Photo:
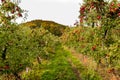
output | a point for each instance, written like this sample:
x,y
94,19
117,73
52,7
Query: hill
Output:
x,y
53,27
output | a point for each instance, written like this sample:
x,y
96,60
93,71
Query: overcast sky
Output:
x,y
62,11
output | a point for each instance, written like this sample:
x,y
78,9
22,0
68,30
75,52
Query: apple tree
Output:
x,y
17,46
96,12
101,13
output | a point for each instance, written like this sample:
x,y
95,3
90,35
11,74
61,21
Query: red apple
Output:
x,y
98,17
111,10
6,67
81,20
118,4
92,7
119,14
17,8
112,4
115,9
111,70
13,11
92,4
19,14
94,48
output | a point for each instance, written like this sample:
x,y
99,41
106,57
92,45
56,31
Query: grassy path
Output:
x,y
75,69
89,63
83,69
85,60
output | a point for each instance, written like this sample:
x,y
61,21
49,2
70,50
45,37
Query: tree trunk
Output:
x,y
105,33
39,59
93,24
17,77
4,53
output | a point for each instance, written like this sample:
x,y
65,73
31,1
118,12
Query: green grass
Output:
x,y
59,68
